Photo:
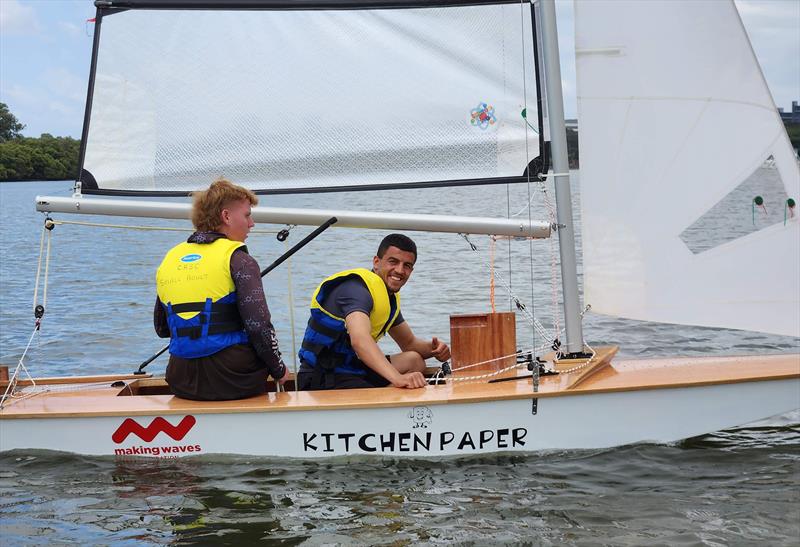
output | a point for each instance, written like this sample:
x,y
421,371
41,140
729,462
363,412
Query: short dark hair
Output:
x,y
404,243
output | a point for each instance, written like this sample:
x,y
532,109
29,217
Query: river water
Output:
x,y
736,487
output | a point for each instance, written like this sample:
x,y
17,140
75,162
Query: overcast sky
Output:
x,y
45,47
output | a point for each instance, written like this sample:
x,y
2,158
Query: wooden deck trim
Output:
x,y
55,380
619,377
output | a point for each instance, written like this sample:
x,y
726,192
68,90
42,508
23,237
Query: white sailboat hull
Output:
x,y
438,421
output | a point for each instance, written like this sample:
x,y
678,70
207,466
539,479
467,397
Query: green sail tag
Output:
x,y
758,201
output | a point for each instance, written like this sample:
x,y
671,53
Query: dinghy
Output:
x,y
316,96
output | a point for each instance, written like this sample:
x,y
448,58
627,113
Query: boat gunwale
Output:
x,y
607,380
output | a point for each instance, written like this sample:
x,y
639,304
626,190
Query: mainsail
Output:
x,y
310,96
668,128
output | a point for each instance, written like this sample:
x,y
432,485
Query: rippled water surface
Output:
x,y
739,487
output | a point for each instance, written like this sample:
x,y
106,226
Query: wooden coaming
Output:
x,y
629,375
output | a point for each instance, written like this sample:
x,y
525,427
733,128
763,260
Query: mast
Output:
x,y
558,144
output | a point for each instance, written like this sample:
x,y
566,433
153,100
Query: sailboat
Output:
x,y
316,96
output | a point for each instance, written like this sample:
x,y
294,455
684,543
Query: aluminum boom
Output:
x,y
307,217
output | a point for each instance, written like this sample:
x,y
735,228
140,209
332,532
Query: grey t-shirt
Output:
x,y
351,295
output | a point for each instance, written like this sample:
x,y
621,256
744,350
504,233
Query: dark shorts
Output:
x,y
312,381
232,373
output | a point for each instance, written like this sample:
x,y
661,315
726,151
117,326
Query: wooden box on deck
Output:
x,y
480,337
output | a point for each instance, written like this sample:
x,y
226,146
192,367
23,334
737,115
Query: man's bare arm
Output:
x,y
368,351
405,338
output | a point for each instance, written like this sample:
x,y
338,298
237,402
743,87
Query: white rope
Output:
x,y
582,365
487,375
46,269
26,392
12,382
551,208
438,376
39,266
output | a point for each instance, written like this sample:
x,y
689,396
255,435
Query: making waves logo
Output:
x,y
191,258
158,425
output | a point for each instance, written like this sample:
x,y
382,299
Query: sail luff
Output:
x,y
87,113
520,227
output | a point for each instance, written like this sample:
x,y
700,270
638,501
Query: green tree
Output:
x,y
9,125
572,148
25,158
793,130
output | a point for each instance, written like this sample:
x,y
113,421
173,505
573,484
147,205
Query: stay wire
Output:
x,y
527,162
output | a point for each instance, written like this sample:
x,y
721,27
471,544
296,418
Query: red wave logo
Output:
x,y
159,424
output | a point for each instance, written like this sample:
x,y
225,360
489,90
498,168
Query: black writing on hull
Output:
x,y
493,439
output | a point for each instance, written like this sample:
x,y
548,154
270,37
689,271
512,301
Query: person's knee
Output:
x,y
408,361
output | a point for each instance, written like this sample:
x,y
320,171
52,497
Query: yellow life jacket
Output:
x,y
326,341
379,316
194,284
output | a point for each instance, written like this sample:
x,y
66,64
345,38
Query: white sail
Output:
x,y
675,114
313,98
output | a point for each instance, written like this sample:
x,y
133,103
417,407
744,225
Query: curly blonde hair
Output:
x,y
208,204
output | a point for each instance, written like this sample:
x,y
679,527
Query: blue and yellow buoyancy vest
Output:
x,y
195,286
326,342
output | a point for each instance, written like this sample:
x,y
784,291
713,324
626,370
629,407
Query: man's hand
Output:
x,y
410,380
440,350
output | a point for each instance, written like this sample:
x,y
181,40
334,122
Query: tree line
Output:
x,y
56,158
26,158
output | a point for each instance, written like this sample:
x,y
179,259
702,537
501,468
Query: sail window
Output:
x,y
758,202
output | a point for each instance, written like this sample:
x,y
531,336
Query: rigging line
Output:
x,y
435,378
46,269
39,267
514,300
527,155
510,266
582,365
149,228
515,354
290,297
12,382
491,273
487,375
551,209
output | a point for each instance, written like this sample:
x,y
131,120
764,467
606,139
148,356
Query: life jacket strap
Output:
x,y
220,312
217,328
324,329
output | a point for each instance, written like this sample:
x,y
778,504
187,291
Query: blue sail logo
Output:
x,y
191,258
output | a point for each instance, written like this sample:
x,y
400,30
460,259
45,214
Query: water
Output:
x,y
733,487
